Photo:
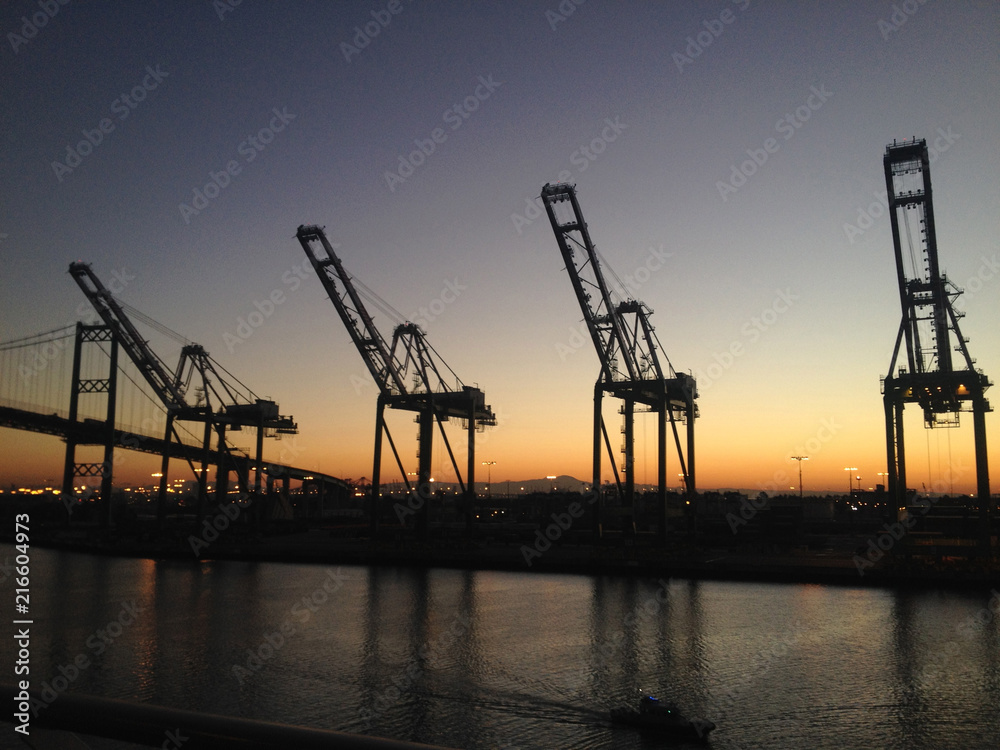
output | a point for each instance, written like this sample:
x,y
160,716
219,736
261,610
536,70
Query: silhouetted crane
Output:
x,y
222,401
928,320
408,373
629,353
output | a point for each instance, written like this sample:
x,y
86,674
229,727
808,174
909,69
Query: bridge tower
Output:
x,y
930,377
92,334
219,402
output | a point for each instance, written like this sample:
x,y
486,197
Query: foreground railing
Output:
x,y
157,726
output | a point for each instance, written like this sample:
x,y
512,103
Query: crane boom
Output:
x,y
236,409
366,337
152,368
586,274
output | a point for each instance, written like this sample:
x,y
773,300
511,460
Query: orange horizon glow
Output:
x,y
724,459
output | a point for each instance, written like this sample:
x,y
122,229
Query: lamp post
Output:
x,y
850,479
800,459
489,477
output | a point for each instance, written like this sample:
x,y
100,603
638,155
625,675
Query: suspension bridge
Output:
x,y
71,383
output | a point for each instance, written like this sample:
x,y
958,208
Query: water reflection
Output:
x,y
491,659
910,701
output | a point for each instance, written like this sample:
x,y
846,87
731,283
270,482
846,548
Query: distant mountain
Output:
x,y
563,483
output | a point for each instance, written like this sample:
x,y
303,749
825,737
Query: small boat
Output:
x,y
663,718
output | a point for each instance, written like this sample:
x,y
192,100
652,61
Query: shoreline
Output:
x,y
320,547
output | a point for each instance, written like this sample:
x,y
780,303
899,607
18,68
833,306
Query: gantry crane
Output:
x,y
220,403
407,373
930,378
631,367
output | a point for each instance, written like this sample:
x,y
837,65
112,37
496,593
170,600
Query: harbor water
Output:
x,y
484,659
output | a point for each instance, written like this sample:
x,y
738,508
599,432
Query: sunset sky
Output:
x,y
308,113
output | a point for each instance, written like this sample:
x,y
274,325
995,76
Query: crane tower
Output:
x,y
930,377
410,376
631,365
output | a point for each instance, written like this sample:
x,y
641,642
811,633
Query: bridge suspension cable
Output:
x,y
39,338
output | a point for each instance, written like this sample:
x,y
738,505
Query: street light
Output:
x,y
850,480
800,459
489,477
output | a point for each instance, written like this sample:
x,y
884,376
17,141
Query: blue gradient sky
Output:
x,y
807,373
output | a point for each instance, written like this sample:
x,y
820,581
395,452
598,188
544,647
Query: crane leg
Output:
x,y
629,500
596,487
376,488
